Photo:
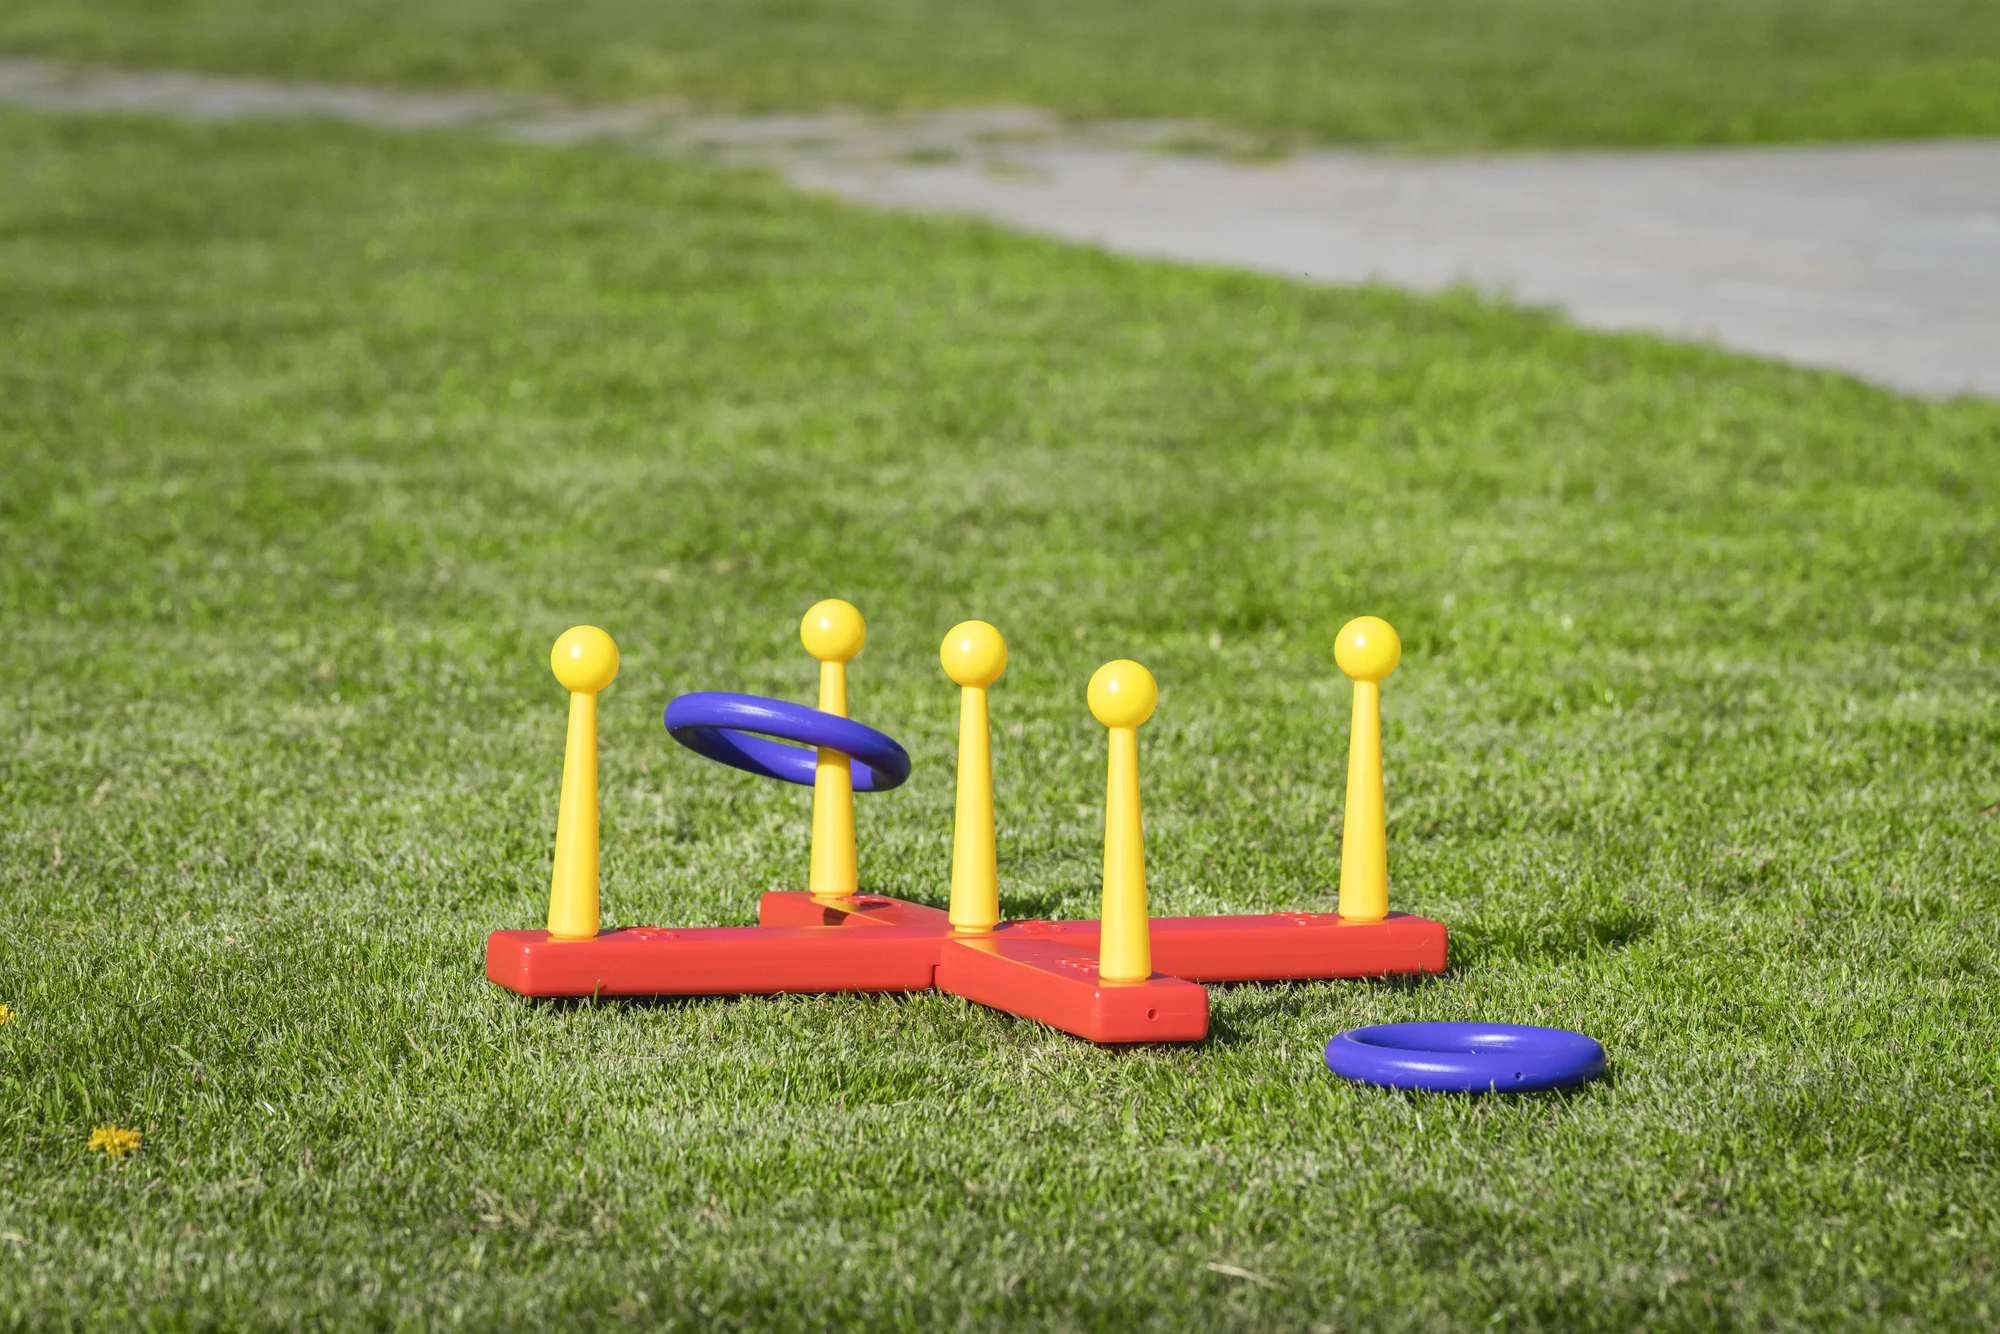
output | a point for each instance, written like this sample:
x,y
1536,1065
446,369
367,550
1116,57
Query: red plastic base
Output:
x,y
1057,984
712,961
1043,970
1261,947
1275,947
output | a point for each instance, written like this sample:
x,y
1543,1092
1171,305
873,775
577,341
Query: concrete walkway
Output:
x,y
1878,259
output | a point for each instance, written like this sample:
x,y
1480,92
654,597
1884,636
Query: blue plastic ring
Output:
x,y
719,726
1465,1058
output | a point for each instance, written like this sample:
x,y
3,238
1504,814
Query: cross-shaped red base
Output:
x,y
1040,970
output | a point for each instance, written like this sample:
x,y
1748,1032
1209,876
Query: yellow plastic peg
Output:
x,y
585,660
1122,696
1367,649
974,655
833,632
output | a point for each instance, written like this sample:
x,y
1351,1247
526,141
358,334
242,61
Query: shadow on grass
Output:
x,y
1558,1097
1043,906
562,1003
1257,1004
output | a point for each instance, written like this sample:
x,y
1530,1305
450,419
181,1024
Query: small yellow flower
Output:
x,y
115,1141
6,1015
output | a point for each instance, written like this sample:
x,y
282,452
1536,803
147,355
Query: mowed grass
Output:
x,y
1434,74
313,443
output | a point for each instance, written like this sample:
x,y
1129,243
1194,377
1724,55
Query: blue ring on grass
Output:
x,y
725,727
1465,1058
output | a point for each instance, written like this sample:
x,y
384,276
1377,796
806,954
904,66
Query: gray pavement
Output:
x,y
1878,259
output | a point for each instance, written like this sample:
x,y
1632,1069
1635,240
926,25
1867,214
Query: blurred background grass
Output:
x,y
1439,74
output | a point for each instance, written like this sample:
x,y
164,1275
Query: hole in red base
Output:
x,y
1152,1014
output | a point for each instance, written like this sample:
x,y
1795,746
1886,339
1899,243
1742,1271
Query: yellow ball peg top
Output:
x,y
973,654
1123,694
833,631
585,660
1367,648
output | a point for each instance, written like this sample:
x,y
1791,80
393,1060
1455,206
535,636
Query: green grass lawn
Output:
x,y
1436,74
313,442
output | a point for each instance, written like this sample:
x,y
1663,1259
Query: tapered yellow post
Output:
x,y
585,661
833,632
974,655
1367,649
1122,696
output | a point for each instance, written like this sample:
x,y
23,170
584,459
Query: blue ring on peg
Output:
x,y
1465,1058
725,727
